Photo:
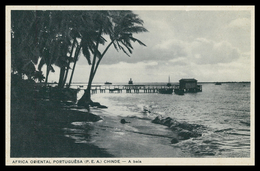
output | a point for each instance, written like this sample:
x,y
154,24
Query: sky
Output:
x,y
206,45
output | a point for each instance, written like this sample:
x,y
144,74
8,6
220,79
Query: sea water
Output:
x,y
223,110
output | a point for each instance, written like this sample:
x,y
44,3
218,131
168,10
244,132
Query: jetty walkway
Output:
x,y
128,88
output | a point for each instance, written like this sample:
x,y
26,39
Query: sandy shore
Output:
x,y
45,129
139,138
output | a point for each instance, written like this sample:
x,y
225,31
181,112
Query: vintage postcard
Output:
x,y
130,85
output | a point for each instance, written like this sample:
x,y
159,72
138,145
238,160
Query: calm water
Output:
x,y
224,110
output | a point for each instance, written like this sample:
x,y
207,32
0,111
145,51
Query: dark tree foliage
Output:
x,y
50,38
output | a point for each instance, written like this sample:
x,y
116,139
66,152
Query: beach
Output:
x,y
170,125
47,129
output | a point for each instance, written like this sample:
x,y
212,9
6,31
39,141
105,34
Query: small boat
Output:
x,y
107,82
217,83
165,90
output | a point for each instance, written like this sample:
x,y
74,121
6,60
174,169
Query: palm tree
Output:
x,y
56,43
26,43
120,27
84,35
86,47
75,59
126,23
52,37
86,30
74,23
49,42
63,77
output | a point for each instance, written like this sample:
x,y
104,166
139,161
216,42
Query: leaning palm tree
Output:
x,y
87,48
120,27
87,35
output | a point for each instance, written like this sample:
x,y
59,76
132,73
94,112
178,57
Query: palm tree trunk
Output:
x,y
102,56
86,98
68,66
50,61
91,76
62,72
72,72
87,94
74,65
47,75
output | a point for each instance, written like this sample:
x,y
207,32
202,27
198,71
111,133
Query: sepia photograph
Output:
x,y
130,85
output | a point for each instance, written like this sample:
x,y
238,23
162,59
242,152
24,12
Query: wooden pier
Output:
x,y
127,88
138,88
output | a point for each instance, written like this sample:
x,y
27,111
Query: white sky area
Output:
x,y
205,45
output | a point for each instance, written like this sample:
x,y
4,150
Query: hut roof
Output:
x,y
187,79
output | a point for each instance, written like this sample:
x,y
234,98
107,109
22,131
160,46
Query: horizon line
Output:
x,y
171,82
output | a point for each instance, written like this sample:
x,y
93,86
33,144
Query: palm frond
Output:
x,y
129,48
134,40
86,54
99,54
92,49
120,47
85,50
52,69
115,46
102,40
63,61
134,29
125,38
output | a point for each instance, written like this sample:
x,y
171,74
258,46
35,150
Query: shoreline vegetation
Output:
x,y
48,38
36,126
